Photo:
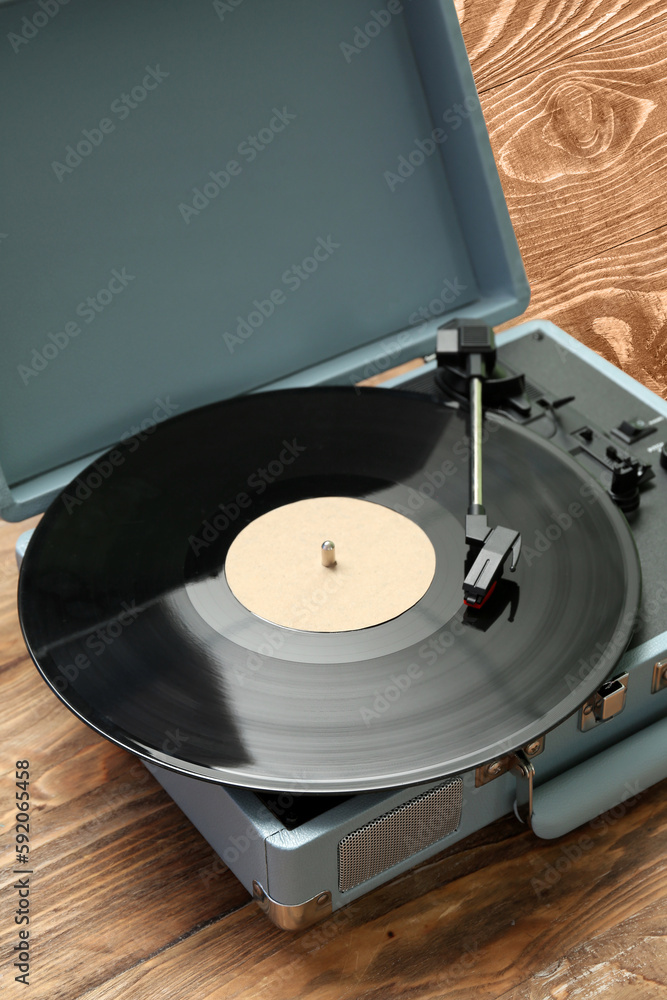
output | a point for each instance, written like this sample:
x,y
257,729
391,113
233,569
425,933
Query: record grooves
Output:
x,y
126,612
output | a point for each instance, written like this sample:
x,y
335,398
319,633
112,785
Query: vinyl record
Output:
x,y
128,614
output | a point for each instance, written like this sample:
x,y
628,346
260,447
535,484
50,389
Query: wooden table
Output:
x,y
127,900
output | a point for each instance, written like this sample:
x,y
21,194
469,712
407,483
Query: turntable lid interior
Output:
x,y
269,200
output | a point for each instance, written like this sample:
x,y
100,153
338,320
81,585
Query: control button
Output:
x,y
628,474
631,431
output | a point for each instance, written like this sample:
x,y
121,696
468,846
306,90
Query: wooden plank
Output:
x,y
484,929
512,38
581,149
626,962
616,304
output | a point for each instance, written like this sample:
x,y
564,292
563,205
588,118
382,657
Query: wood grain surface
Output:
x,y
128,901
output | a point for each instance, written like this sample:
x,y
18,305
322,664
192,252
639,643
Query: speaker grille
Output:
x,y
390,839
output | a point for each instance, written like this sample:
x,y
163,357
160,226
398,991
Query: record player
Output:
x,y
284,592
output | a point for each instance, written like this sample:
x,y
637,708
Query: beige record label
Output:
x,y
381,564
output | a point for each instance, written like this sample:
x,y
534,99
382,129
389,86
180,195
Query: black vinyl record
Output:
x,y
126,611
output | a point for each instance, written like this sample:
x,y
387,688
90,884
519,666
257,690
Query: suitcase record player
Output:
x,y
343,627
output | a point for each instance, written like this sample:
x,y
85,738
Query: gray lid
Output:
x,y
204,199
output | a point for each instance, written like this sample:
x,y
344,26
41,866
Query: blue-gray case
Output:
x,y
206,199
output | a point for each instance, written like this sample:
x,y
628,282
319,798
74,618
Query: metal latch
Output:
x,y
607,702
519,764
659,680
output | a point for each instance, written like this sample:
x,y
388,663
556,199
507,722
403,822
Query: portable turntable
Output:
x,y
343,627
